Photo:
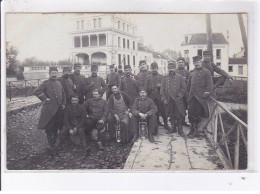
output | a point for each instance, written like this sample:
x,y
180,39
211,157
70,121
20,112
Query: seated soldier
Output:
x,y
119,104
74,119
144,108
96,112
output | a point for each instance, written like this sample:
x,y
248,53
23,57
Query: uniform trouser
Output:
x,y
174,112
109,92
93,127
124,121
81,98
80,131
151,124
219,81
195,110
54,125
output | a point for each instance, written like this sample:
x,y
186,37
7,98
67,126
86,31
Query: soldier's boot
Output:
x,y
193,132
100,146
173,128
180,129
150,138
134,139
165,121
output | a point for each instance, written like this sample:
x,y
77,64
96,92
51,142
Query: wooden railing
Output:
x,y
239,126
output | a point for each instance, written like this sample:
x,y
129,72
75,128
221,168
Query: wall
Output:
x,y
235,70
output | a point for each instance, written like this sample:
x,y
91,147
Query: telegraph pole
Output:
x,y
243,32
209,35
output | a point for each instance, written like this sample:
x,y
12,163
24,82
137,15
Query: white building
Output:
x,y
237,68
195,44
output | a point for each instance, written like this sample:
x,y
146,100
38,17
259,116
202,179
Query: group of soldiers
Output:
x,y
73,104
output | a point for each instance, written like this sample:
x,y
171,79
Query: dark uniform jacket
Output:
x,y
184,72
214,68
152,82
174,86
97,109
94,82
146,106
130,86
74,116
143,78
127,99
67,85
54,91
79,81
113,79
200,81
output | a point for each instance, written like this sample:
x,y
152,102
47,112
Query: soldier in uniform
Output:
x,y
143,108
200,87
51,93
96,112
121,74
129,83
78,82
119,104
67,84
143,75
173,90
74,119
207,64
153,90
112,79
94,82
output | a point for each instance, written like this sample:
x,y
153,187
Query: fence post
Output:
x,y
236,155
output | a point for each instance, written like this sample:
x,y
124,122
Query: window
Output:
x,y
133,30
128,44
118,25
123,26
128,59
200,52
133,45
99,22
123,43
82,24
78,25
230,68
219,64
102,39
95,23
134,60
218,54
119,59
77,41
85,41
93,40
119,43
240,70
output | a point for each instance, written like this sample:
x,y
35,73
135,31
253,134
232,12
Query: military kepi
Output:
x,y
53,69
181,59
196,58
172,64
141,62
66,68
112,66
206,53
127,67
94,67
154,65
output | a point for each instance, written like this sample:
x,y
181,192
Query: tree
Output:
x,y
11,61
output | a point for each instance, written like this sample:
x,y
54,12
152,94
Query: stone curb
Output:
x,y
17,110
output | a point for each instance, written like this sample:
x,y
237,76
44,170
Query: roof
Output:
x,y
201,38
237,61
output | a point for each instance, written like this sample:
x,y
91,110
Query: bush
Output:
x,y
20,76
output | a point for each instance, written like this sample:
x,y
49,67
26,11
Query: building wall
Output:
x,y
235,71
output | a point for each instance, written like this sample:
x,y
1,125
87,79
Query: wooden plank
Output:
x,y
236,155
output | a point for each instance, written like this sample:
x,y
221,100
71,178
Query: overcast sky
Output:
x,y
46,36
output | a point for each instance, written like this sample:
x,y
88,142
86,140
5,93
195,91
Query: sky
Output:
x,y
46,36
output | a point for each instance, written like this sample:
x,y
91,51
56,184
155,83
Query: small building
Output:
x,y
237,68
195,44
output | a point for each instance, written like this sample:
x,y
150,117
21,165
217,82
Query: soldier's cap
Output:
x,y
94,67
66,68
172,64
181,59
142,61
127,67
112,66
77,65
206,53
53,69
196,58
74,96
154,65
142,89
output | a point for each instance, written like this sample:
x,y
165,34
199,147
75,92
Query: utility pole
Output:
x,y
243,32
209,35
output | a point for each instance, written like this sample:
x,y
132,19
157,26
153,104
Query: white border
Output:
x,y
142,181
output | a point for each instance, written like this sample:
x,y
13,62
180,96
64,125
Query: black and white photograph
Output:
x,y
126,91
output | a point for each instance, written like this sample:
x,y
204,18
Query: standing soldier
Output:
x,y
96,112
144,108
172,91
94,82
67,84
121,74
112,79
207,64
78,82
51,93
153,90
143,75
129,84
200,86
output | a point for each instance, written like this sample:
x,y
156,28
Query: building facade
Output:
x,y
237,68
195,44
